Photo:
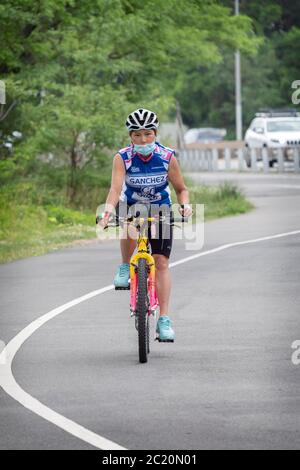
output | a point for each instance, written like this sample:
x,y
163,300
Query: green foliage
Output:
x,y
65,216
207,95
223,200
77,68
73,71
34,221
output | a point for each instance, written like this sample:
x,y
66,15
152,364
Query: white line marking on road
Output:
x,y
230,245
12,388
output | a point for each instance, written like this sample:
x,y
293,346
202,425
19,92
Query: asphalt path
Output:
x,y
228,381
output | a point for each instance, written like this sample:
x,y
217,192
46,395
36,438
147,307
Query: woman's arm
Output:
x,y
176,178
117,179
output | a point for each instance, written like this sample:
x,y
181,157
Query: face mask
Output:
x,y
145,149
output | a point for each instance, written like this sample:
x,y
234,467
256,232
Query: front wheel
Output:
x,y
247,156
142,310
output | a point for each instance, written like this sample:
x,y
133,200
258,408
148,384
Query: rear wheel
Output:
x,y
142,310
247,156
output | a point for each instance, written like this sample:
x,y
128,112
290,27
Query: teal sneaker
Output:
x,y
164,330
121,280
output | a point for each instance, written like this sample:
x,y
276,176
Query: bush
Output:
x,y
66,216
219,201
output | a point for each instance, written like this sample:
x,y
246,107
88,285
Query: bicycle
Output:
x,y
143,296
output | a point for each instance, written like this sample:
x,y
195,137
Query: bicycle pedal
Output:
x,y
122,288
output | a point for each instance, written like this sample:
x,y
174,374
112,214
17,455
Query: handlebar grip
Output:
x,y
99,218
179,219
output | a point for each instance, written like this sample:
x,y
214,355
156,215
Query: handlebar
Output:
x,y
133,218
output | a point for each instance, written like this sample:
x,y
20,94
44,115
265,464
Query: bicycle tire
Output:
x,y
142,310
148,334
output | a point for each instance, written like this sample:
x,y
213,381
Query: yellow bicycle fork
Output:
x,y
143,254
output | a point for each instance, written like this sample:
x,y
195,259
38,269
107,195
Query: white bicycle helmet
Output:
x,y
142,119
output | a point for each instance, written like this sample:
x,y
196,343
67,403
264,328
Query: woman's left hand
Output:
x,y
185,210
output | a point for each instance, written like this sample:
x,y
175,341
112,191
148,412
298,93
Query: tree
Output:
x,y
208,95
82,66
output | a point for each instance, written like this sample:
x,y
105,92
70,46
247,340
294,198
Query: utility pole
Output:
x,y
238,87
179,128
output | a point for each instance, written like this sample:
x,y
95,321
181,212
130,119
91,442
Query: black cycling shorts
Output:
x,y
162,243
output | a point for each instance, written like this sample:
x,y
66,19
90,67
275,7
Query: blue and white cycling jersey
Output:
x,y
146,181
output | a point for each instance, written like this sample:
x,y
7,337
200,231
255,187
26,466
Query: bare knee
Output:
x,y
161,262
129,233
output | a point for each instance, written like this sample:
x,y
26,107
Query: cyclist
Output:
x,y
141,174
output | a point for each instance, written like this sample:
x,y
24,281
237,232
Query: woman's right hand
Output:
x,y
102,220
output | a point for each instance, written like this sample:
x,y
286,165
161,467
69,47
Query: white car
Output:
x,y
274,129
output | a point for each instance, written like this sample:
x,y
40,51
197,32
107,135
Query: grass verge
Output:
x,y
34,222
224,200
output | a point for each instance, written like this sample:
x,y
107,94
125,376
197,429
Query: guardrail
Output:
x,y
239,158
